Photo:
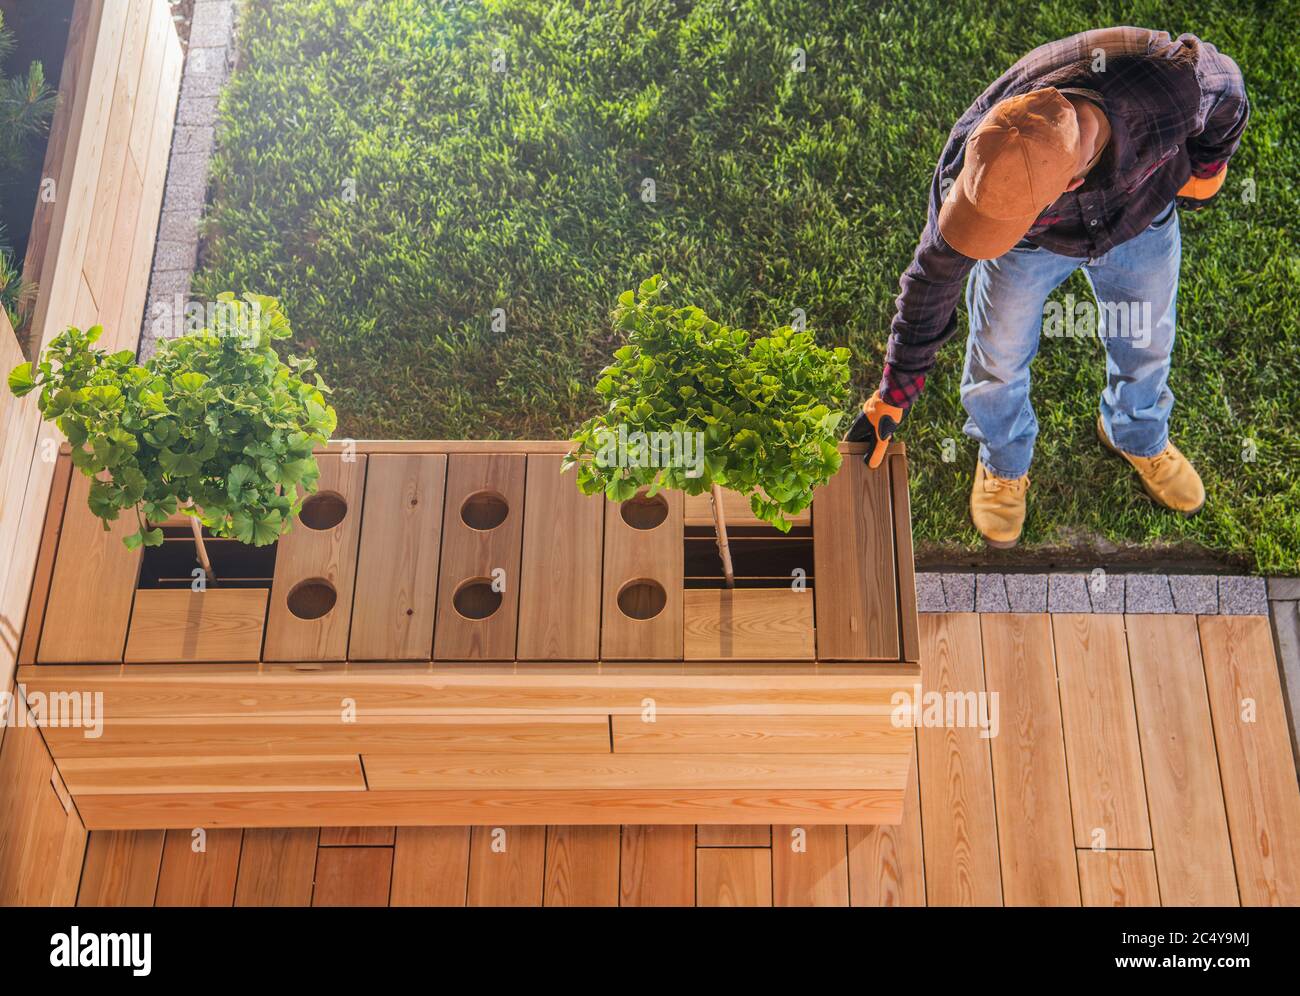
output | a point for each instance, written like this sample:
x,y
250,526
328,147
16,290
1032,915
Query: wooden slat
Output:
x,y
397,565
1255,760
560,573
430,866
527,807
958,817
50,533
657,867
698,511
357,836
853,548
199,878
1029,775
121,869
810,866
277,868
753,835
1107,793
506,866
886,863
353,876
1188,825
488,555
733,876
581,866
306,554
748,624
93,568
775,734
655,555
908,626
448,772
219,624
1118,878
160,775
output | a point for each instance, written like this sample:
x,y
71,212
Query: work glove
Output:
x,y
1196,193
875,424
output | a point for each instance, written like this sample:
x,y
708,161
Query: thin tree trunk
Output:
x,y
720,527
197,528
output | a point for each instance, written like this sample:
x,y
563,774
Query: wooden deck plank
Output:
x,y
199,878
582,865
760,734
958,817
909,635
1255,761
506,866
657,867
329,555
810,866
1029,774
486,557
430,866
357,836
397,562
121,868
887,863
733,876
745,835
1103,756
352,876
1118,878
633,554
218,624
163,775
277,867
1189,828
772,624
562,552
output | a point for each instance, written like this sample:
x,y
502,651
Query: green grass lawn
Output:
x,y
379,176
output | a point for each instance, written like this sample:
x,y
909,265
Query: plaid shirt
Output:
x,y
1177,109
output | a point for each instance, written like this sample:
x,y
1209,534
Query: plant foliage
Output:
x,y
214,418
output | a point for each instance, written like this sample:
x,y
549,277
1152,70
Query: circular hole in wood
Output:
x,y
484,510
475,599
643,512
323,511
642,599
312,599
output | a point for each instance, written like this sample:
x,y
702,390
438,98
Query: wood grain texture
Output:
x,y
1255,761
1188,825
44,574
430,866
219,624
853,550
909,634
698,511
746,835
506,866
1104,757
771,624
958,817
357,836
161,775
1029,774
657,867
810,866
121,869
560,572
886,863
582,866
199,878
470,555
353,876
277,867
1118,878
330,555
633,554
760,734
733,876
397,564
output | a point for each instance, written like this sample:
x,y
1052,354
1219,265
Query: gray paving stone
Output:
x,y
1243,596
167,283
1026,592
202,84
929,593
990,594
213,25
1068,593
189,140
1148,594
215,60
1287,589
959,592
197,111
1106,592
1195,594
169,255
178,226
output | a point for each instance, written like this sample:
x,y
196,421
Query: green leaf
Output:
x,y
21,380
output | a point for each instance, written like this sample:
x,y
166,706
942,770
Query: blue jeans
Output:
x,y
1136,286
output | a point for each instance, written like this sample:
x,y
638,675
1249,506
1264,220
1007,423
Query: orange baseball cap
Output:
x,y
1019,159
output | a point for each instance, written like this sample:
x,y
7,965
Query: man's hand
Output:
x,y
1197,192
875,424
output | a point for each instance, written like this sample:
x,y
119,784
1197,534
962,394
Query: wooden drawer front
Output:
x,y
478,583
748,624
764,734
643,573
219,624
169,775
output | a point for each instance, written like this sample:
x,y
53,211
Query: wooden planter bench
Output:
x,y
454,634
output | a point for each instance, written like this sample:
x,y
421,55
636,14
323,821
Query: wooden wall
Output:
x,y
92,248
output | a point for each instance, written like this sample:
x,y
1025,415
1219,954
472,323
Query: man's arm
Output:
x,y
1222,115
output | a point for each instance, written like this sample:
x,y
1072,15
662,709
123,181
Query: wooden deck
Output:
x,y
1162,738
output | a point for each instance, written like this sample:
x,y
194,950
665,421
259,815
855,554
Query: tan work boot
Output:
x,y
997,507
1169,477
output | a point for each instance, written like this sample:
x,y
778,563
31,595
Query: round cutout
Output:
x,y
642,599
484,510
312,599
475,599
323,511
643,512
